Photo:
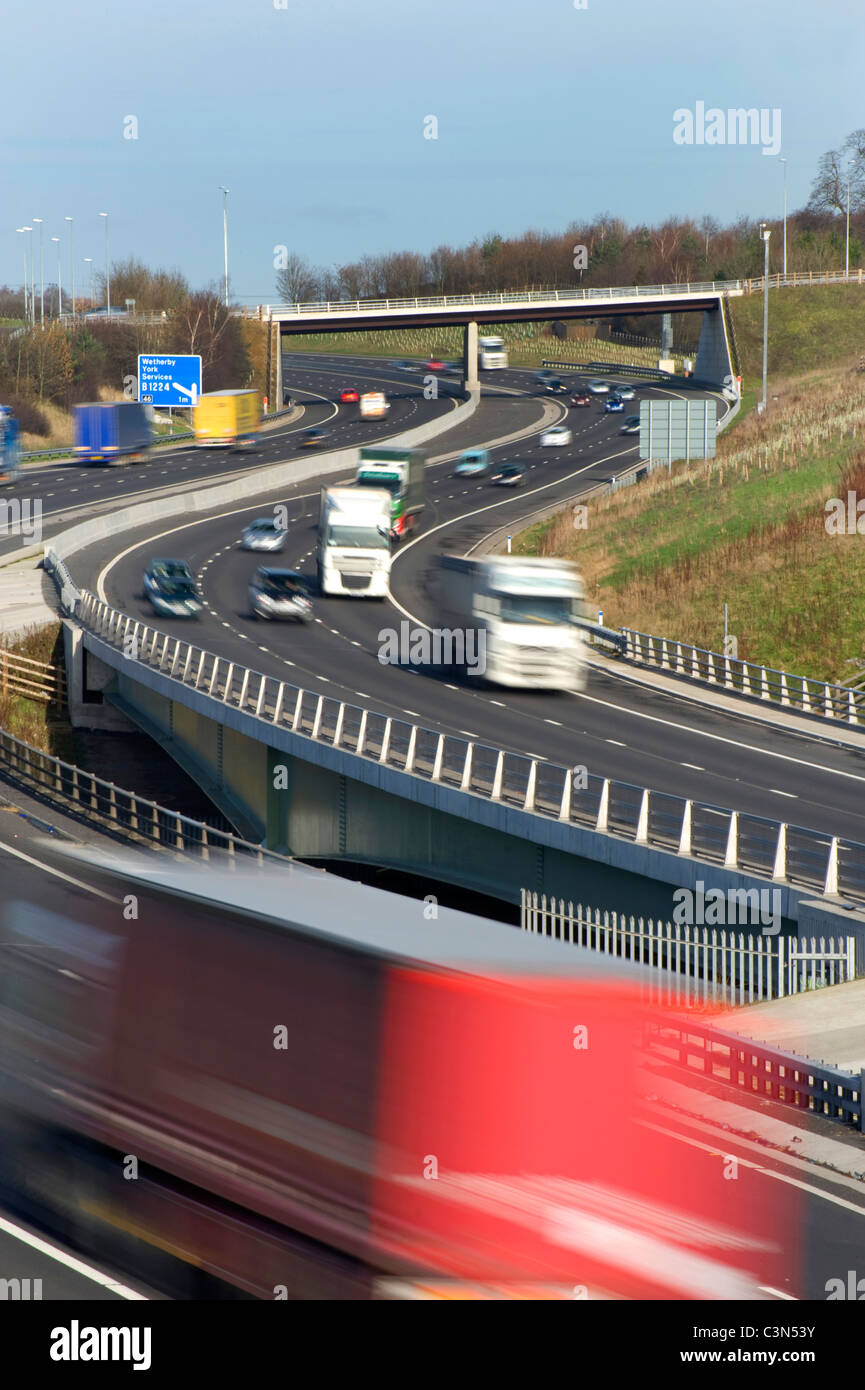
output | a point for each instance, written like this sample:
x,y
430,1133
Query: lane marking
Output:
x,y
78,1266
57,873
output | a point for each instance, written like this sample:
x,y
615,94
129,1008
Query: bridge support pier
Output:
x,y
470,358
714,361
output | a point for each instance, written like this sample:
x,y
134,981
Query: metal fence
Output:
x,y
571,295
803,693
699,964
763,1072
83,793
571,795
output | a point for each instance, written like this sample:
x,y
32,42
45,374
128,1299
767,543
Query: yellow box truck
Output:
x,y
227,419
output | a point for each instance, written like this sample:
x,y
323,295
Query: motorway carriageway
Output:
x,y
615,729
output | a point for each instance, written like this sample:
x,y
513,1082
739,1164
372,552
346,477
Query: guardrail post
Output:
x,y
806,698
602,823
439,756
201,660
687,828
205,844
228,679
175,656
361,733
642,835
154,826
695,665
385,742
764,684
316,723
213,675
779,869
186,664
785,694
531,788
466,779
665,663
259,704
498,776
731,858
710,669
827,702
280,696
178,831
728,674
244,688
412,745
830,888
112,802
567,793
680,659
295,723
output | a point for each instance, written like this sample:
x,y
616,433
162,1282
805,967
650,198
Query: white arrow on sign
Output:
x,y
190,391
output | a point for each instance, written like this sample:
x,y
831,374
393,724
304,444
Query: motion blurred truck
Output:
x,y
401,472
374,405
354,541
227,419
9,446
528,610
112,432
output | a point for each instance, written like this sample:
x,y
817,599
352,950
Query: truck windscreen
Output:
x,y
357,537
536,608
391,481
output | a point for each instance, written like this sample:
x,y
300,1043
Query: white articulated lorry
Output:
x,y
354,541
527,610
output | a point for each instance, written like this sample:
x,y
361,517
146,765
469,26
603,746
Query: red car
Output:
x,y
581,398
348,396
434,365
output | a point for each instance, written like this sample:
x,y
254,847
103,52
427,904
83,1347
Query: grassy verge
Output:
x,y
748,530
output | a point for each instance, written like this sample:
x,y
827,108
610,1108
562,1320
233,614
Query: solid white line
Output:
x,y
47,869
777,792
78,1266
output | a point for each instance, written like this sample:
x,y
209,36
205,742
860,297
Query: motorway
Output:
x,y
615,728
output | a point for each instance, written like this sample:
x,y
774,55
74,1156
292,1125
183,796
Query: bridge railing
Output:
x,y
805,694
573,294
570,795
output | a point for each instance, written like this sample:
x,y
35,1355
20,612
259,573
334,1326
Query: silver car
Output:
x,y
597,387
279,594
263,534
625,393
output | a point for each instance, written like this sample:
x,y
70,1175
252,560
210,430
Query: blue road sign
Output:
x,y
164,380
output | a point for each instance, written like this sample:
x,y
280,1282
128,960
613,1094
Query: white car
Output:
x,y
625,393
559,434
597,387
263,534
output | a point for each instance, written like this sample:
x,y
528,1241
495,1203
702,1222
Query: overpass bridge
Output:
x,y
714,361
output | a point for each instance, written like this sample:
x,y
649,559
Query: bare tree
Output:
x,y
297,281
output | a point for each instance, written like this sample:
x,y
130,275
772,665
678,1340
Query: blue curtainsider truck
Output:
x,y
112,431
9,446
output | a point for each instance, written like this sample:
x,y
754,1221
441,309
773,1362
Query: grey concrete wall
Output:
x,y
714,362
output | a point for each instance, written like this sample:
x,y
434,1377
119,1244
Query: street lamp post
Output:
x,y
26,286
107,270
72,258
41,274
88,260
59,279
765,233
847,248
225,192
784,162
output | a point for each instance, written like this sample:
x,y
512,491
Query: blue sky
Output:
x,y
313,116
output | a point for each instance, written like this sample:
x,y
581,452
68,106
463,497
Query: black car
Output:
x,y
509,475
556,386
312,439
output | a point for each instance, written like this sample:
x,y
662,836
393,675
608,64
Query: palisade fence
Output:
x,y
753,844
112,807
803,693
699,964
